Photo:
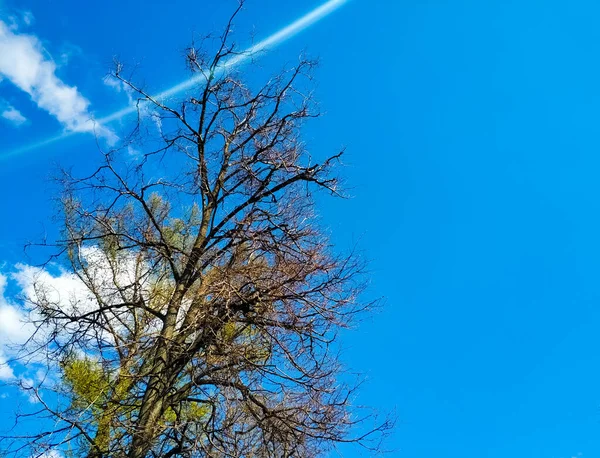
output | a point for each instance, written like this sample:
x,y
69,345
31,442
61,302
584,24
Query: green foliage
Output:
x,y
93,390
187,412
87,380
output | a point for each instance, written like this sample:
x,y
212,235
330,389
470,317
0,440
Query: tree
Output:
x,y
210,299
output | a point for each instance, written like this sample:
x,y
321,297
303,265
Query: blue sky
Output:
x,y
472,154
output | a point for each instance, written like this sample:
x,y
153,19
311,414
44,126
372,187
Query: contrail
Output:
x,y
270,42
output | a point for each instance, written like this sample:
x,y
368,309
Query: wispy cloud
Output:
x,y
25,64
27,17
19,18
12,115
119,86
272,41
68,51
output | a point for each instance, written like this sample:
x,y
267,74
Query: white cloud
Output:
x,y
64,290
12,331
6,372
276,39
13,115
49,454
35,283
24,62
13,327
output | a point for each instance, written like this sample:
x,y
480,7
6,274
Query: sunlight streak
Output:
x,y
270,42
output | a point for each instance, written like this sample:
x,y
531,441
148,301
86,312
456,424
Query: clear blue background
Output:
x,y
472,130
